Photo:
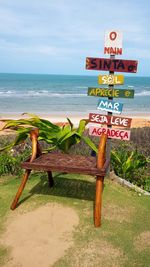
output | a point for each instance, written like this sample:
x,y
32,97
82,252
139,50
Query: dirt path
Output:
x,y
40,237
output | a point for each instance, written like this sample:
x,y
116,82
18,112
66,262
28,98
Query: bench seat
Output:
x,y
65,163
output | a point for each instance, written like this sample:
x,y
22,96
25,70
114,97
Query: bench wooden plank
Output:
x,y
65,163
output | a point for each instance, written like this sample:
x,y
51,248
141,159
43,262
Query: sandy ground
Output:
x,y
137,121
41,237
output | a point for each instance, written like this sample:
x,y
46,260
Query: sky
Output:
x,y
56,36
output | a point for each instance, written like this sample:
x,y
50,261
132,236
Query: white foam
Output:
x,y
143,93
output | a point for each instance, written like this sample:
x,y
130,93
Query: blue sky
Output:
x,y
56,36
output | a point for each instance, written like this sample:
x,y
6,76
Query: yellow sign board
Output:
x,y
111,79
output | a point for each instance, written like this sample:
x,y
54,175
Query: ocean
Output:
x,y
65,95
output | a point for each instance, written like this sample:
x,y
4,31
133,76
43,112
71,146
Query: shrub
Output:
x,y
10,161
58,137
130,165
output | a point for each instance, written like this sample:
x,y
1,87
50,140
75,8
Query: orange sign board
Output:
x,y
111,79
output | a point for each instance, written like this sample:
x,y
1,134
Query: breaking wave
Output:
x,y
40,93
143,93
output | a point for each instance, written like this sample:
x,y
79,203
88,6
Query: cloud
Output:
x,y
67,28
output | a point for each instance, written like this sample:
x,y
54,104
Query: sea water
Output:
x,y
65,94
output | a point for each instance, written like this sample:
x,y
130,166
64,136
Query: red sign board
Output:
x,y
106,64
111,133
110,120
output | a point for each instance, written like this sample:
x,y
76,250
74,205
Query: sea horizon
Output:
x,y
64,74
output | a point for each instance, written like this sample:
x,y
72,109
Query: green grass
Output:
x,y
125,216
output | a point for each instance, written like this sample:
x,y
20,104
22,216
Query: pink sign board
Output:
x,y
111,132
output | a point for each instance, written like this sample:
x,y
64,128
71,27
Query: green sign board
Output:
x,y
110,92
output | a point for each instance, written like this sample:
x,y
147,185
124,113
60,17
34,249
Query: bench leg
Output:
x,y
50,179
20,189
98,201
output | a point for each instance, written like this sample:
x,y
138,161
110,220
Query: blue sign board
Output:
x,y
111,106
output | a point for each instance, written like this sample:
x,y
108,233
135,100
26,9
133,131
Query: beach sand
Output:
x,y
137,121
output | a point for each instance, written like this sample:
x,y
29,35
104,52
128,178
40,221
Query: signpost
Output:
x,y
113,46
111,106
110,92
111,79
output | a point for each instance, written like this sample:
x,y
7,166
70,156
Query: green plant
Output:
x,y
10,161
58,137
6,163
128,163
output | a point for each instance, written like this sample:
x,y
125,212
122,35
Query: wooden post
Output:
x,y
109,126
50,179
99,181
20,189
33,136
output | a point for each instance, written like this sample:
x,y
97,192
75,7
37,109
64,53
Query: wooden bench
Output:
x,y
61,162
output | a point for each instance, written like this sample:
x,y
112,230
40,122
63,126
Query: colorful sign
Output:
x,y
111,79
111,106
111,133
110,120
113,42
110,92
119,65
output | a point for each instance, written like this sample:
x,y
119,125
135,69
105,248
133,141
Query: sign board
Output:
x,y
110,120
110,92
111,106
111,133
113,42
106,64
111,79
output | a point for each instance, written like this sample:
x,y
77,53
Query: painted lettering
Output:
x,y
92,92
116,80
106,50
119,65
110,93
116,106
104,79
107,64
110,79
111,106
130,68
111,133
113,36
104,92
93,63
113,50
98,90
104,103
94,131
110,120
117,133
115,61
126,135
